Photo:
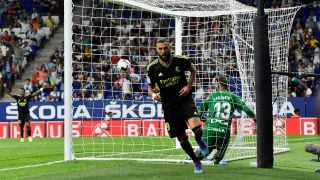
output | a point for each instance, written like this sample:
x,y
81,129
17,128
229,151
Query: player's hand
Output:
x,y
156,97
184,91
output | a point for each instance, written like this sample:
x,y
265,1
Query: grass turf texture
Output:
x,y
296,164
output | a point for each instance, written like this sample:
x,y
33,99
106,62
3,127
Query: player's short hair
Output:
x,y
223,81
22,89
162,40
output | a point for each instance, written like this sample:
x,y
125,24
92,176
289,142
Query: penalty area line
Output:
x,y
31,166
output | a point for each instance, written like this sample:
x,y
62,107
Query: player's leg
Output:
x,y
176,127
222,142
186,146
28,128
190,113
21,126
195,125
210,138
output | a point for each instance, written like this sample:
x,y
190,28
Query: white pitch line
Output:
x,y
31,166
298,139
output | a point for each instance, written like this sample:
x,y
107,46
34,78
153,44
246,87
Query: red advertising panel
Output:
x,y
37,129
151,128
55,129
4,130
132,127
76,128
293,126
309,126
279,126
164,131
244,126
103,128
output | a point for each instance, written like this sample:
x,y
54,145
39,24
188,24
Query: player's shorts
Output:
x,y
177,116
216,136
24,119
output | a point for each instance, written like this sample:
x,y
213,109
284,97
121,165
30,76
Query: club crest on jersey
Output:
x,y
168,126
177,69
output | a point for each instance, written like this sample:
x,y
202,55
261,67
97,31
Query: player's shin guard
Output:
x,y
186,146
21,125
198,137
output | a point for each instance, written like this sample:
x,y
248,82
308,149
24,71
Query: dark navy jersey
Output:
x,y
170,79
23,103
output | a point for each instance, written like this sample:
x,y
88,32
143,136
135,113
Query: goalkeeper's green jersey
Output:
x,y
220,106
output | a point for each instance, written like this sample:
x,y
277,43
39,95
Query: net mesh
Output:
x,y
217,36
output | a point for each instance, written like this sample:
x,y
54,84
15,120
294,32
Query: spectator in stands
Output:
x,y
49,22
55,94
34,14
25,25
18,54
27,51
54,56
98,92
43,74
6,38
23,15
28,87
36,24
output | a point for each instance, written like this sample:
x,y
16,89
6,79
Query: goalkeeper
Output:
x,y
220,106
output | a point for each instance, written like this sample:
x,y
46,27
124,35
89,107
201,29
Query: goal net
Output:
x,y
112,116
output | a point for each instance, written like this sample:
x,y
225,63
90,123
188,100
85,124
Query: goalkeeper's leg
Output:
x,y
221,147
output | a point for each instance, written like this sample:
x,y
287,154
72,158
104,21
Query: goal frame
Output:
x,y
68,7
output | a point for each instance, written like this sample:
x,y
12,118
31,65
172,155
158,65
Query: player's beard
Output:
x,y
165,58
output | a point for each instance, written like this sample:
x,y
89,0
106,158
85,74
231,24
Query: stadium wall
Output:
x,y
138,119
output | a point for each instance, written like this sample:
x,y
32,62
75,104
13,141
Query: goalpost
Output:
x,y
217,36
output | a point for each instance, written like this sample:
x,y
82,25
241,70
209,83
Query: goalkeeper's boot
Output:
x,y
213,155
22,140
30,139
197,167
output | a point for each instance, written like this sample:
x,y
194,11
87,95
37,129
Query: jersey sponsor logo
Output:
x,y
170,81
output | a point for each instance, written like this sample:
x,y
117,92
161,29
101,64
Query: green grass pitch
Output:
x,y
41,159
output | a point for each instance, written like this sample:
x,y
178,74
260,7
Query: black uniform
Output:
x,y
170,80
23,108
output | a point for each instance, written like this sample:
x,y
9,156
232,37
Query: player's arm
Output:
x,y
37,92
242,106
151,86
10,93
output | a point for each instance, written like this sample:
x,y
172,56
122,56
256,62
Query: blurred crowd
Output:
x,y
25,26
99,43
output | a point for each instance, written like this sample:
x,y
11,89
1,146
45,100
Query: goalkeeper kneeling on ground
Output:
x,y
219,107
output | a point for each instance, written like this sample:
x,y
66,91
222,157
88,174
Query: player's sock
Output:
x,y
29,131
198,137
197,167
21,129
186,146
